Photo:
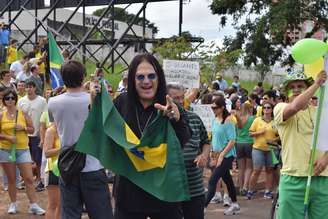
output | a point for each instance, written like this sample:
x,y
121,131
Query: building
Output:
x,y
26,22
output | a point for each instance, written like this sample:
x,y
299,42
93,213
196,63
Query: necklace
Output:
x,y
138,121
11,114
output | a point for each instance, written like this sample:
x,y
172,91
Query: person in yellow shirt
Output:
x,y
262,131
13,119
295,124
268,97
51,150
12,52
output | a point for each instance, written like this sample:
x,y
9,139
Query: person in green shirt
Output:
x,y
244,144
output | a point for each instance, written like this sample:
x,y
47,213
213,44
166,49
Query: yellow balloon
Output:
x,y
312,70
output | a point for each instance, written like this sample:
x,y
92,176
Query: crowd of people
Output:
x,y
248,125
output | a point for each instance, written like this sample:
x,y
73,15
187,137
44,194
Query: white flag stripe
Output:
x,y
322,133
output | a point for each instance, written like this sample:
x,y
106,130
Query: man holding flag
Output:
x,y
69,111
140,140
295,124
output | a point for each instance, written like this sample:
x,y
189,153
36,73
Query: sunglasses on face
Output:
x,y
9,98
267,107
151,77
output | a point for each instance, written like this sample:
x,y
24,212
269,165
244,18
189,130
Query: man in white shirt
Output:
x,y
17,66
34,105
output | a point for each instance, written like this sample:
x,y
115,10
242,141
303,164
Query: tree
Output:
x,y
122,15
175,48
264,36
214,59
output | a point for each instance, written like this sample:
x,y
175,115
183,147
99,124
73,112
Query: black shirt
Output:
x,y
128,196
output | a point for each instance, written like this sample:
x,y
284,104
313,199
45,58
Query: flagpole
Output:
x,y
313,151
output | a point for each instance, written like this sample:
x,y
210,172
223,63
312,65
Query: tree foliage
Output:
x,y
122,15
215,59
263,34
175,48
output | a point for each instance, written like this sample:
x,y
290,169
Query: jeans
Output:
x,y
194,208
222,171
89,188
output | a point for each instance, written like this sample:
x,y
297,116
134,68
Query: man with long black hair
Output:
x,y
139,106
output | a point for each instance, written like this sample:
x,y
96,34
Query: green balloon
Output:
x,y
55,169
307,51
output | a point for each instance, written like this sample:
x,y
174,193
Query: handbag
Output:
x,y
70,163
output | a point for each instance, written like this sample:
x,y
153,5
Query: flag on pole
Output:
x,y
322,132
319,139
154,162
56,60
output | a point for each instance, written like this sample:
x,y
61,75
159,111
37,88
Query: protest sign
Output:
x,y
183,72
205,112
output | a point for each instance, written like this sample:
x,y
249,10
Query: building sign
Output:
x,y
104,23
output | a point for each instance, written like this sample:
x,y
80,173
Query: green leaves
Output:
x,y
263,26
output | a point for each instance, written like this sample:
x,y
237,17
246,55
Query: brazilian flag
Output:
x,y
154,162
56,60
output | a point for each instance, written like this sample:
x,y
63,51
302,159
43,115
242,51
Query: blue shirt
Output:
x,y
221,135
4,37
223,84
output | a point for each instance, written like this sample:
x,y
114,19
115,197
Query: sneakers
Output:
x,y
249,195
39,187
12,208
20,185
217,198
36,209
243,192
226,201
232,210
268,195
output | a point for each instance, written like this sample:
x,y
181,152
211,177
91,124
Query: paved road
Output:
x,y
254,209
258,208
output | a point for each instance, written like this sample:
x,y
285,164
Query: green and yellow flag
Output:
x,y
154,162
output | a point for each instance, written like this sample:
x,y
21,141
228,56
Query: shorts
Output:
x,y
51,179
22,156
291,197
261,158
244,150
36,151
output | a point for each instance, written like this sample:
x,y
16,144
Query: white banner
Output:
x,y
183,72
205,112
322,143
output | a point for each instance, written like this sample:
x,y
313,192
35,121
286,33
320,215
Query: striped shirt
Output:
x,y
191,150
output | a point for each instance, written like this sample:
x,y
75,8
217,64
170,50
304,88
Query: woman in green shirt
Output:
x,y
244,144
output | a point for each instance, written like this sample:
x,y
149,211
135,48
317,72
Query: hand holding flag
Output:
x,y
321,78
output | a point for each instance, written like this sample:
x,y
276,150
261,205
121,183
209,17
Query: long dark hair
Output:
x,y
161,89
220,102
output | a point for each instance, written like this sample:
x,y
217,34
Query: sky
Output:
x,y
197,19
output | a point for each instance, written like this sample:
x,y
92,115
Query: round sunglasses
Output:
x,y
151,77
